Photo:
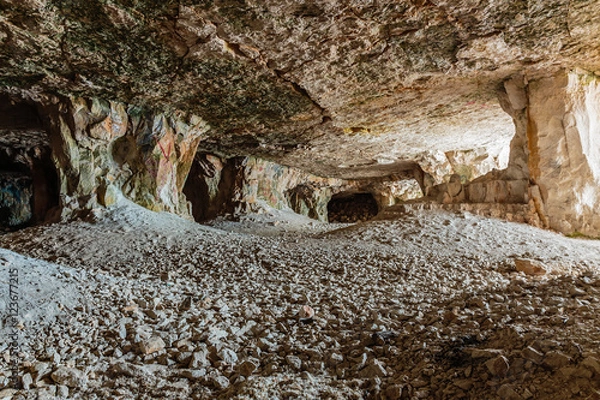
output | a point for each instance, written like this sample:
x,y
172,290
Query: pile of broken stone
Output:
x,y
224,315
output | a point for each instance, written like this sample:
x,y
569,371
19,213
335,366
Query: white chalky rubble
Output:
x,y
428,305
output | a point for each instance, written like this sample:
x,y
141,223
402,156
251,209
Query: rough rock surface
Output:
x,y
428,305
385,81
217,187
103,150
345,90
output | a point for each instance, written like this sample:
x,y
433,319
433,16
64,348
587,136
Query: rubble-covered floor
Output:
x,y
426,306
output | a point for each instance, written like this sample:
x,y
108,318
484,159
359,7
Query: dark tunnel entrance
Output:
x,y
352,207
29,186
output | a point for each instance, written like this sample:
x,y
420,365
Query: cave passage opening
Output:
x,y
352,207
29,184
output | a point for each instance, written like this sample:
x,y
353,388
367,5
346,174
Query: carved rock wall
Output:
x,y
104,150
564,145
554,163
246,184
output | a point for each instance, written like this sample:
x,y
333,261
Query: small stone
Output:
x,y
592,363
373,370
485,353
248,367
532,354
220,382
468,371
451,315
556,359
199,359
306,312
40,370
506,392
294,362
71,377
165,276
394,391
126,369
27,381
228,356
47,393
464,384
214,336
193,374
7,394
498,366
335,359
530,267
187,304
62,392
152,345
266,345
527,394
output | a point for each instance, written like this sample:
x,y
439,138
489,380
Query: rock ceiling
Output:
x,y
341,88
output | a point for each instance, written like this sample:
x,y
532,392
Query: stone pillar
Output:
x,y
564,145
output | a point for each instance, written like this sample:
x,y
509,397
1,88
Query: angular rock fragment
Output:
x,y
152,345
70,377
507,392
294,361
373,370
498,366
247,367
556,359
306,312
592,363
531,267
199,359
532,354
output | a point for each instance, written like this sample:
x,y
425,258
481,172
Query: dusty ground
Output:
x,y
428,306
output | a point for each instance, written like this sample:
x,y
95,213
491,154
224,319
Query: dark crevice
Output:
x,y
29,183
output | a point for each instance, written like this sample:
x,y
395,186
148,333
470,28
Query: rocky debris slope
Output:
x,y
429,305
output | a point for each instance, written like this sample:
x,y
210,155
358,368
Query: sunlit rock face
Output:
x,y
564,149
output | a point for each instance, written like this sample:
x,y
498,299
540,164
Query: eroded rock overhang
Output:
x,y
344,90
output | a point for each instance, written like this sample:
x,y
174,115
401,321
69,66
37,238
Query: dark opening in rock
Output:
x,y
210,186
29,186
352,207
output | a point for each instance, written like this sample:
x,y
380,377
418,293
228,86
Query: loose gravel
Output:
x,y
425,305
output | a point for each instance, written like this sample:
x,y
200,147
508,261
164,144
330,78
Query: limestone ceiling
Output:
x,y
342,88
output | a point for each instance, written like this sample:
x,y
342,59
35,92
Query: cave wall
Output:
x,y
28,182
237,185
554,163
16,193
564,145
104,150
246,184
